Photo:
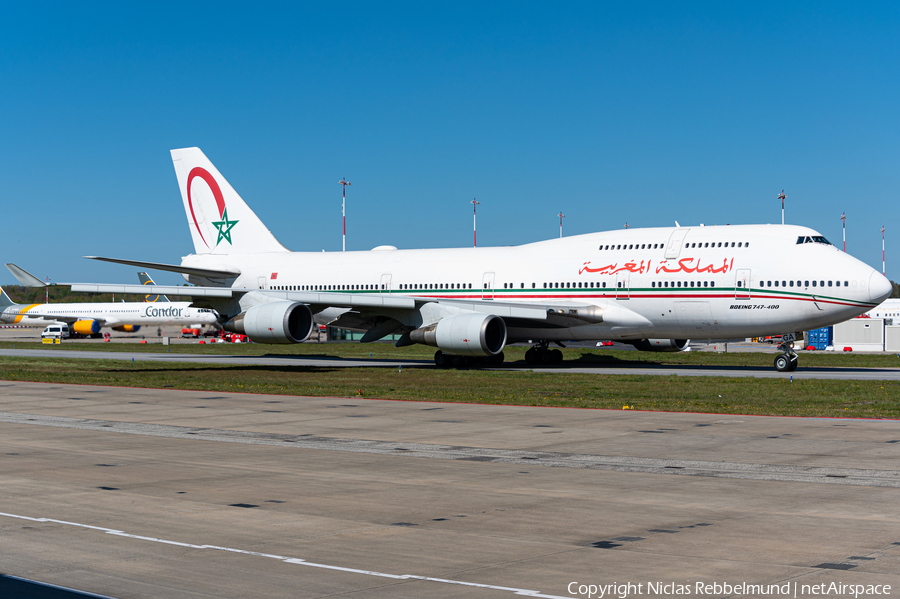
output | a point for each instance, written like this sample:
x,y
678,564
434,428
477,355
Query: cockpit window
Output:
x,y
813,239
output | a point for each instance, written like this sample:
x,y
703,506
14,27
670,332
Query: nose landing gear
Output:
x,y
787,361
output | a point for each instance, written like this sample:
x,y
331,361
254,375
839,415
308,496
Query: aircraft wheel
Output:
x,y
441,359
556,356
457,361
794,364
783,363
545,357
531,356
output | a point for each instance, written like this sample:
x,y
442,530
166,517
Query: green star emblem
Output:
x,y
225,226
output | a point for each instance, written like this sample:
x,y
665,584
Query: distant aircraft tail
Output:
x,y
145,279
219,219
5,301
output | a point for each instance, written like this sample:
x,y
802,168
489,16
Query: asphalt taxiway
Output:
x,y
838,373
136,493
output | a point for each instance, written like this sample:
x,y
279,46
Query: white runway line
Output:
x,y
292,560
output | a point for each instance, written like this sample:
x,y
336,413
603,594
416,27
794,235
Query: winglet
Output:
x,y
24,277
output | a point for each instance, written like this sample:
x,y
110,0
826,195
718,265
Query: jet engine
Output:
x,y
662,344
274,322
86,327
464,335
127,328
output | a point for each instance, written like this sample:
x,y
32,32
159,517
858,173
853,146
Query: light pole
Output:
x,y
561,216
882,252
344,183
474,203
782,197
844,227
47,291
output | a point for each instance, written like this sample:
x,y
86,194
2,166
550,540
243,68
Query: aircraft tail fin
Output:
x,y
145,279
5,300
219,219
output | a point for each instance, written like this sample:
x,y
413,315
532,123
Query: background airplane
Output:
x,y
655,288
89,318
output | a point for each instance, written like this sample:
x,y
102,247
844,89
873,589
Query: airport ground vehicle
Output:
x,y
56,331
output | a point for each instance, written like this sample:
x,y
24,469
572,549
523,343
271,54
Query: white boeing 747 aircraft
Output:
x,y
654,288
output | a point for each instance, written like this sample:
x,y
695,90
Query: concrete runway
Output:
x,y
879,374
148,493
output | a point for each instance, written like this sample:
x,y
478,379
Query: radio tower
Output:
x,y
561,216
344,183
882,251
474,238
844,227
782,197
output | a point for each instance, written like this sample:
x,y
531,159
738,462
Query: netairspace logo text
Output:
x,y
789,589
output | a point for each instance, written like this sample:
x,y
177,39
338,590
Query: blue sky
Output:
x,y
633,112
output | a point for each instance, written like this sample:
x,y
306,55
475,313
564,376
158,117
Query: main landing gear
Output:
x,y
786,362
442,360
540,354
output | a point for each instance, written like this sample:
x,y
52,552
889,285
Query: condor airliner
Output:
x,y
89,318
653,288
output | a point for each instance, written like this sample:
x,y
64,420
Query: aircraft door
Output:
x,y
487,286
385,283
742,283
622,285
262,282
676,240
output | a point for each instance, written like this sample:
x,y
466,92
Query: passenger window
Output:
x,y
604,285
821,283
739,244
653,284
792,283
746,244
829,283
814,283
846,284
712,283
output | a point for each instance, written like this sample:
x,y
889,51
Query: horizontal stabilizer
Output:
x,y
187,270
152,289
24,277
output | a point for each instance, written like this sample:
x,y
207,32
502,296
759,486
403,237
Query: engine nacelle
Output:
x,y
274,322
127,328
464,335
86,327
662,344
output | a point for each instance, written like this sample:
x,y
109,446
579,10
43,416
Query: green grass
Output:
x,y
386,351
803,397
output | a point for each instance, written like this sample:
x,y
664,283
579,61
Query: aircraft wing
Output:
x,y
67,318
334,300
365,306
188,270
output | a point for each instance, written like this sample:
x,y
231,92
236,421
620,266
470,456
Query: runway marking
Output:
x,y
736,470
290,560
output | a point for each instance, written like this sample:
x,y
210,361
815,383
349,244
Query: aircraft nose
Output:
x,y
879,287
